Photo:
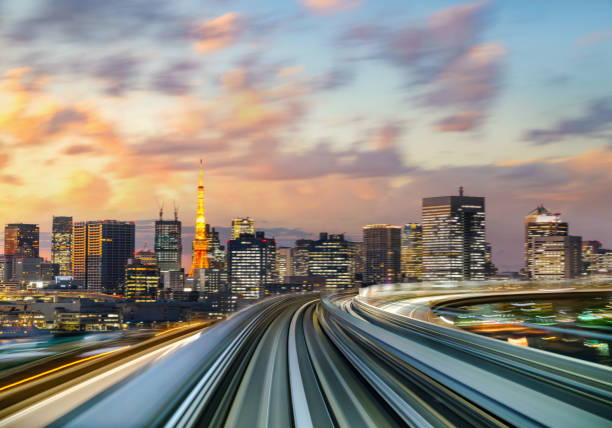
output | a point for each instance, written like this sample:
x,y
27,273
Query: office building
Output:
x,y
216,251
199,258
490,269
168,244
454,238
332,258
284,262
556,257
100,251
242,226
382,249
541,222
142,277
6,268
590,253
251,265
21,240
412,252
61,244
300,256
27,269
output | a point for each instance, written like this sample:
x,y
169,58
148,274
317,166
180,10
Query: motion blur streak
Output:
x,y
61,367
338,360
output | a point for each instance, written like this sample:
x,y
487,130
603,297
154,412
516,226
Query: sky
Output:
x,y
310,115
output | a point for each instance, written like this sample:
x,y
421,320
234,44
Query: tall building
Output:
x,y
100,251
142,277
412,252
168,243
200,243
382,248
251,265
541,222
284,261
590,251
332,258
242,226
454,238
556,257
61,244
21,240
300,256
216,251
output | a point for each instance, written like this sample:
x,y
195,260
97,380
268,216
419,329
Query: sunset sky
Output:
x,y
311,115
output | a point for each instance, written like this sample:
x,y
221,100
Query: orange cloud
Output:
x,y
327,7
218,33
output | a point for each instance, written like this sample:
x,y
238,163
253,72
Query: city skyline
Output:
x,y
310,108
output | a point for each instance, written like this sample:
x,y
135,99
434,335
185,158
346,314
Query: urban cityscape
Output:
x,y
305,213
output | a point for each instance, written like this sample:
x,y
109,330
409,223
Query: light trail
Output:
x,y
178,328
60,368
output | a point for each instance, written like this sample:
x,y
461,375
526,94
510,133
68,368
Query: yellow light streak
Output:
x,y
178,328
61,367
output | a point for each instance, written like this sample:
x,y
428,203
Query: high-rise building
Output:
x,y
6,268
216,251
200,242
454,238
332,258
382,248
26,269
556,257
590,251
284,261
100,251
168,244
242,226
412,252
21,240
300,256
251,265
490,269
142,277
61,244
541,222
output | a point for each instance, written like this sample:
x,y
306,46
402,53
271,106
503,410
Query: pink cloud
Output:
x,y
217,33
593,38
327,7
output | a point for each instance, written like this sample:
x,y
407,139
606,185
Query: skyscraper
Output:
x,y
216,251
556,257
100,251
284,262
300,256
332,258
200,243
251,265
412,252
454,238
61,244
142,277
382,248
242,226
168,244
21,240
541,222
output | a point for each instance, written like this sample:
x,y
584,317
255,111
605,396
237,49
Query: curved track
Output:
x,y
309,362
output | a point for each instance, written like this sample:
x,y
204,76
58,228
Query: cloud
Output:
x,y
445,58
217,33
118,71
594,38
327,7
174,78
78,149
592,124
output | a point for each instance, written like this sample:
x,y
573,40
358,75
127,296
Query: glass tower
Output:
x,y
61,244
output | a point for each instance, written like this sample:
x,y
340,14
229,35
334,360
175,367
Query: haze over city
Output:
x,y
319,115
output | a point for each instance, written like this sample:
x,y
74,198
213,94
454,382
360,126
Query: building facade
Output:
x,y
556,257
382,250
142,277
300,256
21,240
284,262
168,244
61,244
100,252
454,238
412,252
242,226
540,222
333,258
251,265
